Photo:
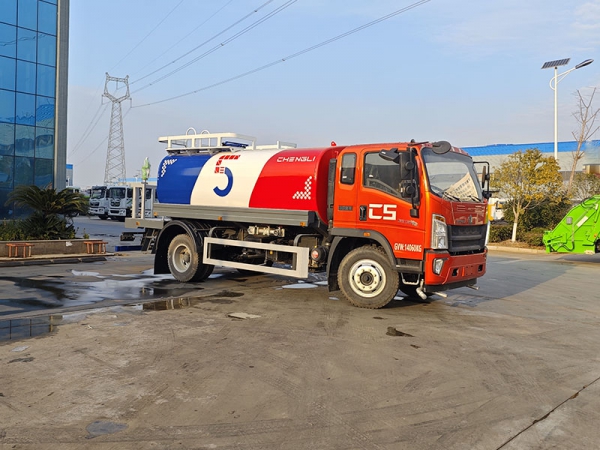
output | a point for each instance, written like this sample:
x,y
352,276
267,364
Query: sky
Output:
x,y
465,71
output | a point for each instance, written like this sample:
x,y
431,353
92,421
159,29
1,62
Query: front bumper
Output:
x,y
457,271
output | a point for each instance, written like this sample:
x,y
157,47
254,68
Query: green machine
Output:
x,y
578,231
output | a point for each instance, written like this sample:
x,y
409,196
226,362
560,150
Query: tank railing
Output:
x,y
138,209
211,142
203,141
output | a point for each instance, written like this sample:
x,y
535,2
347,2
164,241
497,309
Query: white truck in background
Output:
x,y
98,203
120,199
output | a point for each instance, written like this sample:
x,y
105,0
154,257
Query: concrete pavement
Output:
x,y
511,366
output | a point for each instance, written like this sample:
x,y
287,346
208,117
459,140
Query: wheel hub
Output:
x,y
182,259
367,278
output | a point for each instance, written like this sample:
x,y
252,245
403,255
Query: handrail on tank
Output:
x,y
205,141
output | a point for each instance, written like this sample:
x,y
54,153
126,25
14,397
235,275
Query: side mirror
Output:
x,y
407,165
390,155
409,184
485,178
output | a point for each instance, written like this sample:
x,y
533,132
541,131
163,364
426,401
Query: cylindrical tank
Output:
x,y
291,179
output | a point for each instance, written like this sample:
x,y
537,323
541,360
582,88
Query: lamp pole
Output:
x,y
554,86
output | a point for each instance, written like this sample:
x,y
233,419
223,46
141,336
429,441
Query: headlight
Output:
x,y
439,233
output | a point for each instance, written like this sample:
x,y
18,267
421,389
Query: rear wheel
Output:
x,y
367,279
184,261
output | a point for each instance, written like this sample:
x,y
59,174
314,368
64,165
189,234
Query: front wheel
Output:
x,y
367,279
184,260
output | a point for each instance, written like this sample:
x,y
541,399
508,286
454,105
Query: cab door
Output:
x,y
383,207
345,209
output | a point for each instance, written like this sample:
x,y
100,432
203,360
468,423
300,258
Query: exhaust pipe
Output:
x,y
421,294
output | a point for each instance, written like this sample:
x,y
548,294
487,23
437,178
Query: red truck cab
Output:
x,y
423,204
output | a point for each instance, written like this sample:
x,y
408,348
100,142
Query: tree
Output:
x,y
53,211
586,117
585,185
527,178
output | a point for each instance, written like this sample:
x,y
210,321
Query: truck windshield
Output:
x,y
117,193
452,176
97,193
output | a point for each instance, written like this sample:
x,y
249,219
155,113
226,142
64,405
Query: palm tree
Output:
x,y
53,211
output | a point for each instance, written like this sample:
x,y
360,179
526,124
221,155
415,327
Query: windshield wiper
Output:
x,y
473,198
451,197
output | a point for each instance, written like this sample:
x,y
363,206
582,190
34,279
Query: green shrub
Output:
x,y
11,230
532,237
544,215
500,233
51,226
53,211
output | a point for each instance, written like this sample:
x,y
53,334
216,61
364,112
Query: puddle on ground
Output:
x,y
221,298
17,329
102,427
89,288
470,300
25,328
299,286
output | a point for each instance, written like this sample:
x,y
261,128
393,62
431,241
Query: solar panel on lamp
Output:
x,y
558,62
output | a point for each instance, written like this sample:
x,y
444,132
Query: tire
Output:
x,y
184,260
204,272
367,278
103,217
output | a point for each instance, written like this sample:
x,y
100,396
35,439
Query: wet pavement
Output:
x,y
271,363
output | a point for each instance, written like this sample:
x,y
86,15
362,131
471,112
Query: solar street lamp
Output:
x,y
554,86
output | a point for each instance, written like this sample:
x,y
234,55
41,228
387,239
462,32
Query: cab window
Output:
x,y
348,171
381,174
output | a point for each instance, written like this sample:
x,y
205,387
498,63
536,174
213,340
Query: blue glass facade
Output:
x,y
29,32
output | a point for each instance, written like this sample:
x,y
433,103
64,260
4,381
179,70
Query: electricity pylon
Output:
x,y
115,156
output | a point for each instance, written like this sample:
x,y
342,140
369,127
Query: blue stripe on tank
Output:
x,y
177,175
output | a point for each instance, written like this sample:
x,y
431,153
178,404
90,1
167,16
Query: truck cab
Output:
x,y
424,207
98,202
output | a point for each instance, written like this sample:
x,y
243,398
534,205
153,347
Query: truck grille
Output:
x,y
466,239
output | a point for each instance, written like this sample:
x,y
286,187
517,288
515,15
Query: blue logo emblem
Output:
x,y
227,189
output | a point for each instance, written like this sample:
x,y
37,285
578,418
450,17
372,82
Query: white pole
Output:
x,y
556,113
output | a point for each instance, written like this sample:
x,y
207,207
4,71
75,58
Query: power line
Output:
x,y
294,55
90,127
205,42
222,44
146,37
88,130
186,36
100,144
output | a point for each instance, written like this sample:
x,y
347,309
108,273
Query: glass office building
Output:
x,y
33,95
